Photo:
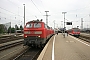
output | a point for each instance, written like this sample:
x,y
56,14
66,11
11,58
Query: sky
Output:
x,y
13,11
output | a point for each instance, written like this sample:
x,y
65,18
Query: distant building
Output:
x,y
7,25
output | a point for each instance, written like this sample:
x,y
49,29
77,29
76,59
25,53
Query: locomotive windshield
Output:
x,y
29,25
34,25
37,25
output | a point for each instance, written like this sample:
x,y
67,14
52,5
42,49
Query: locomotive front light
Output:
x,y
38,32
26,36
38,36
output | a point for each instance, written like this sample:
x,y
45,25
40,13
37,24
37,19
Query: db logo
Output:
x,y
32,32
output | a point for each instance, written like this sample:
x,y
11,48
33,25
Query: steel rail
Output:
x,y
30,54
10,45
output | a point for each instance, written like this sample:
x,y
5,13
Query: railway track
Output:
x,y
9,45
29,54
85,37
4,39
8,54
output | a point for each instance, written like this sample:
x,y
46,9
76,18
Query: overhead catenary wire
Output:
x,y
7,16
9,11
16,6
19,7
36,7
79,8
42,3
26,8
12,3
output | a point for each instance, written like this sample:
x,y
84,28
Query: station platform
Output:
x,y
68,48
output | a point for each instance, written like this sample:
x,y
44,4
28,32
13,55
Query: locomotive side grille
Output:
x,y
33,32
38,32
27,32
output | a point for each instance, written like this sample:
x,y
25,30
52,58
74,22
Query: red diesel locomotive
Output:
x,y
74,32
36,33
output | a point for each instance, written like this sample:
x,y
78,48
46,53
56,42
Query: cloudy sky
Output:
x,y
13,11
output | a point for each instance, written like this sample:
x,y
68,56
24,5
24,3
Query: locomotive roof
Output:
x,y
34,21
75,28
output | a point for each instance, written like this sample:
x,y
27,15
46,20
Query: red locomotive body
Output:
x,y
74,32
36,33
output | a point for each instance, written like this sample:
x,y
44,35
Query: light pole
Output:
x,y
61,24
81,23
54,24
24,14
46,17
64,22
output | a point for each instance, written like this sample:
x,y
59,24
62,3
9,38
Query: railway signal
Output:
x,y
68,23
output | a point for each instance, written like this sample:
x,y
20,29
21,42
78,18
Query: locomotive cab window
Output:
x,y
37,25
29,25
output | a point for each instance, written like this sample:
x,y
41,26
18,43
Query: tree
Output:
x,y
9,30
17,28
12,30
21,28
2,28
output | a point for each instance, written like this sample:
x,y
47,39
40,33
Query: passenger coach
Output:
x,y
74,32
